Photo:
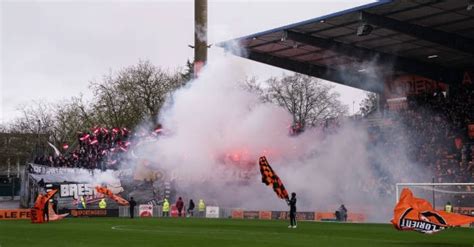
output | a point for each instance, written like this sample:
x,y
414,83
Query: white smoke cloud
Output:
x,y
213,119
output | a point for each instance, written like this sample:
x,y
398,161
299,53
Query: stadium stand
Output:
x,y
416,55
100,148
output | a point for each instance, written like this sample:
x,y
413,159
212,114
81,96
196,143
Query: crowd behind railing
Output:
x,y
99,148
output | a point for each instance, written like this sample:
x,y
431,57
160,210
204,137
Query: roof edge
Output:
x,y
223,44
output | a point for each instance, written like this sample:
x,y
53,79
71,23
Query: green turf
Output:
x,y
219,232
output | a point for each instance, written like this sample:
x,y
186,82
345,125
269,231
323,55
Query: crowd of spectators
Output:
x,y
99,148
432,130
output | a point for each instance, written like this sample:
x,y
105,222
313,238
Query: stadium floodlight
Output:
x,y
284,36
364,29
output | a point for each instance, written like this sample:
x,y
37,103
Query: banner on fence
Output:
x,y
94,212
145,210
265,215
212,212
15,214
251,214
237,214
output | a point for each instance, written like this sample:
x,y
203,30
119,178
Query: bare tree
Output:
x,y
37,117
134,94
310,100
59,122
124,99
368,104
3,128
70,117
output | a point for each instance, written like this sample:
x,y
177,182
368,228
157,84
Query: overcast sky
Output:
x,y
51,50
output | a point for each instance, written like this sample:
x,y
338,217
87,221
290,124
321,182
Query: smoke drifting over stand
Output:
x,y
216,130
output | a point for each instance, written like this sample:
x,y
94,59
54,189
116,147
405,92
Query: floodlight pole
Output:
x,y
200,35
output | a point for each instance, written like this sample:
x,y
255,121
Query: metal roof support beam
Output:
x,y
450,40
430,71
357,80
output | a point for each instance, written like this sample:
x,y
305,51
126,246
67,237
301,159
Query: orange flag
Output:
x,y
270,178
417,214
107,192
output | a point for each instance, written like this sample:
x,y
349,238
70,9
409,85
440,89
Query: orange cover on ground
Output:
x,y
417,214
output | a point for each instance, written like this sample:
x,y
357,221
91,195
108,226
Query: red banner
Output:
x,y
265,215
237,214
406,85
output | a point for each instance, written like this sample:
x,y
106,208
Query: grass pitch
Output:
x,y
168,232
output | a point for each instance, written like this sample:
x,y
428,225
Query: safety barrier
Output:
x,y
284,215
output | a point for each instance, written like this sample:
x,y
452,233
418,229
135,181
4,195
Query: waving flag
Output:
x,y
56,150
96,130
417,214
269,177
85,137
107,192
94,141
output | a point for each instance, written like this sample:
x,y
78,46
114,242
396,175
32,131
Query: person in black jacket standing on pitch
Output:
x,y
191,208
132,203
292,204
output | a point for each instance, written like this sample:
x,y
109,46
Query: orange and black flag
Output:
x,y
269,177
417,214
107,192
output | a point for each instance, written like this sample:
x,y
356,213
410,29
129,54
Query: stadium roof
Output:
x,y
434,39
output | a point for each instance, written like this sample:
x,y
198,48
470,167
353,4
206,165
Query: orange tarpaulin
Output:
x,y
53,216
417,214
37,213
111,195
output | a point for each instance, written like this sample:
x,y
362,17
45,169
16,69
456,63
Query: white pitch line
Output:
x,y
126,228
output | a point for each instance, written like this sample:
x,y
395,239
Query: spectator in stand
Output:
x,y
101,148
436,135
